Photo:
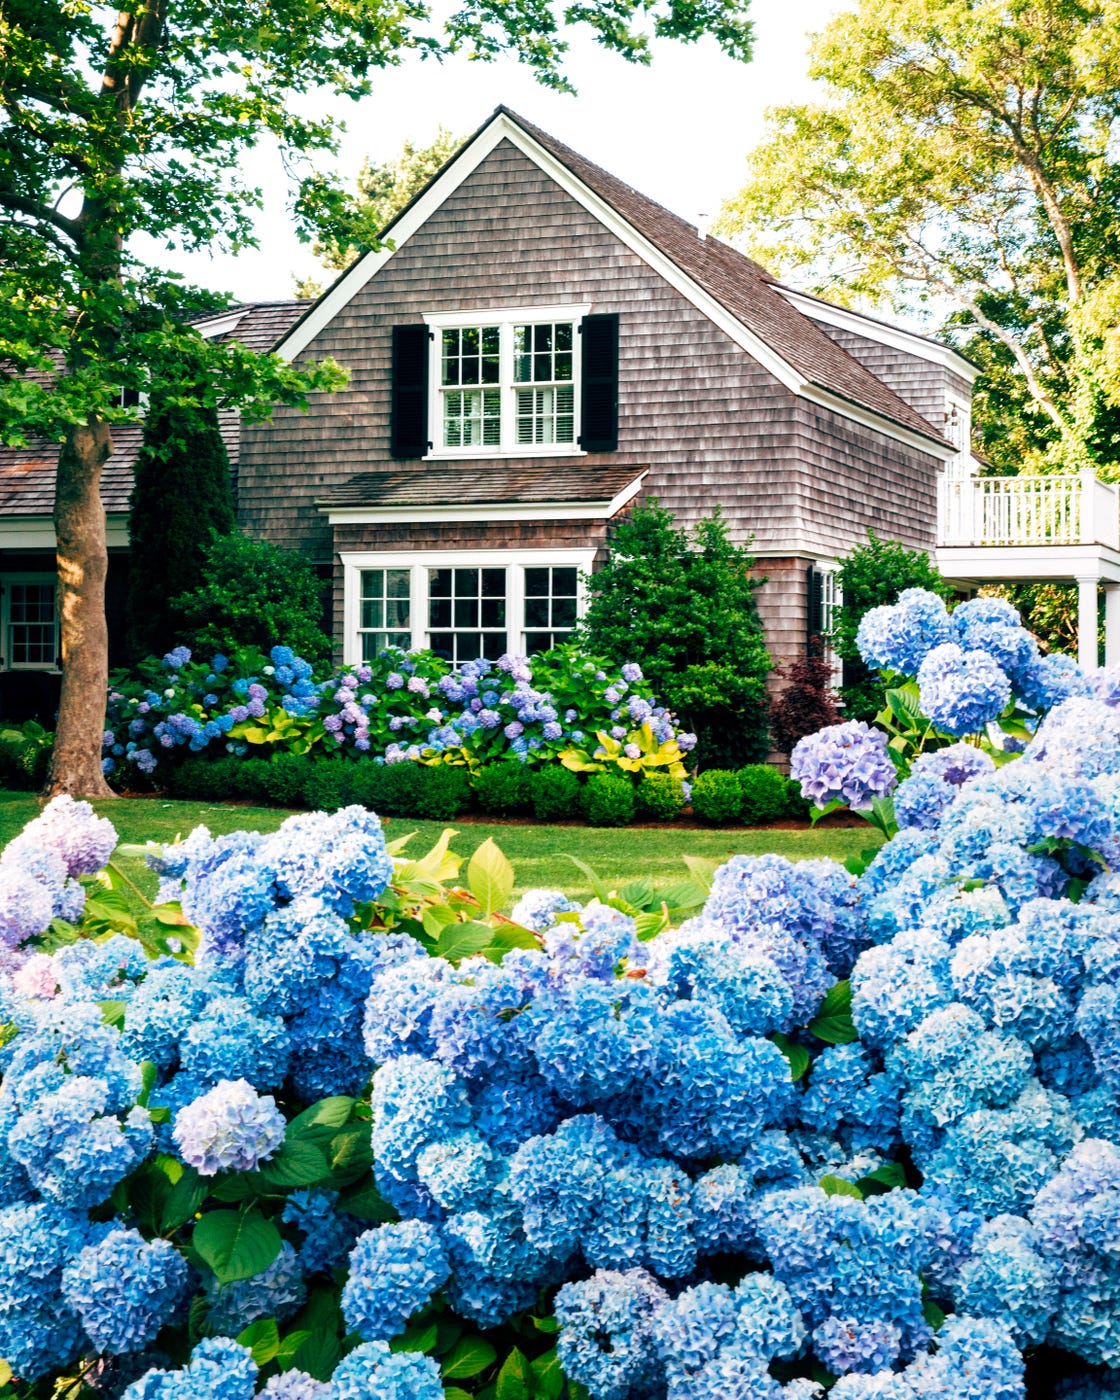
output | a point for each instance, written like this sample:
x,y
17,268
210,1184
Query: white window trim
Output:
x,y
6,581
506,317
963,464
832,597
419,561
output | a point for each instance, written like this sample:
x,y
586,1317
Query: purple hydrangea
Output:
x,y
847,762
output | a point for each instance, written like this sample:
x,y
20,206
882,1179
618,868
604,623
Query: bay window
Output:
x,y
463,605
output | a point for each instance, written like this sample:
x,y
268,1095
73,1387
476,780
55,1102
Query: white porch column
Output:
x,y
1112,624
1087,623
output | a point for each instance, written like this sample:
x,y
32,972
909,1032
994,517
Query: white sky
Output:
x,y
677,130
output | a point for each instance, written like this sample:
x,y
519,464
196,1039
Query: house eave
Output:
x,y
522,512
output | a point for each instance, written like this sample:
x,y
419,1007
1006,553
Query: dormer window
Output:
x,y
505,383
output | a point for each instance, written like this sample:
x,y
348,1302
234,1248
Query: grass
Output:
x,y
539,853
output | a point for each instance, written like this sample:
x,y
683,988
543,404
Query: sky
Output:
x,y
679,130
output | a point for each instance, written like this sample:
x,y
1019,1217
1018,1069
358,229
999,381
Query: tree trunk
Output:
x,y
83,562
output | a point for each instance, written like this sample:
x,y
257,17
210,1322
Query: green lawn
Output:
x,y
537,852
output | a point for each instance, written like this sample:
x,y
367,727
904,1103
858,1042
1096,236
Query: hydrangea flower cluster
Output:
x,y
846,763
399,706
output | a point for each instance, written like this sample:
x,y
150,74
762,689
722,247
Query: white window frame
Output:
x,y
963,464
6,582
505,318
832,597
515,562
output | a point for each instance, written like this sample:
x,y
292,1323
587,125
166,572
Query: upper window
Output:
x,y
506,383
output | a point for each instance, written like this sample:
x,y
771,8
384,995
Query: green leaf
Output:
x,y
647,926
112,1012
416,1339
289,1345
468,1358
837,1186
506,936
262,1338
515,1378
455,1392
5,1373
234,1186
638,892
490,877
320,1122
459,941
686,894
298,1163
702,871
350,1153
833,1021
318,1354
545,1324
890,1176
816,813
367,1203
548,1377
797,1055
933,1314
236,1245
183,1200
905,706
599,890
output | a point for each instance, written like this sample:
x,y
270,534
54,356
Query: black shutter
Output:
x,y
599,389
815,596
409,413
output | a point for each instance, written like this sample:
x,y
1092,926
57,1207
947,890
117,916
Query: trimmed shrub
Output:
x,y
797,805
200,779
329,785
285,782
659,797
764,793
441,791
24,759
717,796
503,789
556,794
609,800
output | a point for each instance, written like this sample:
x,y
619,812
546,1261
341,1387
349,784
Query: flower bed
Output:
x,y
325,1122
175,716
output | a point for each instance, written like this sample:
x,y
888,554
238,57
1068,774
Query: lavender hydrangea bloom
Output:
x,y
231,1128
845,762
961,691
934,781
536,908
898,638
125,1289
296,1385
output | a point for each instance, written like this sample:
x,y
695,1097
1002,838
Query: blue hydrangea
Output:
x,y
1008,1279
372,1370
328,1233
960,692
899,637
125,1288
38,1327
394,1270
219,1369
606,1339
230,1128
277,1291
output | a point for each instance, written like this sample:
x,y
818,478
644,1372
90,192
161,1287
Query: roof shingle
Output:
x,y
442,484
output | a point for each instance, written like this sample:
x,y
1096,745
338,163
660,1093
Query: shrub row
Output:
x,y
754,794
442,792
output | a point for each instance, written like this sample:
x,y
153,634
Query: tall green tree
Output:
x,y
119,122
682,605
182,496
962,158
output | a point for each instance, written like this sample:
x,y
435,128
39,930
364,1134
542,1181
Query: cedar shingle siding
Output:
x,y
709,422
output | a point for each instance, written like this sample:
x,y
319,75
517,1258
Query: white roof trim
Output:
x,y
895,336
502,128
214,326
480,510
37,532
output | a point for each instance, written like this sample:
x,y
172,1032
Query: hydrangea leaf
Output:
x,y
455,1392
797,1055
490,876
460,941
236,1244
598,888
468,1358
515,1378
350,1155
417,1338
320,1122
702,871
837,1186
262,1338
298,1163
548,1378
318,1354
508,935
833,1021
289,1345
183,1200
366,1202
889,1177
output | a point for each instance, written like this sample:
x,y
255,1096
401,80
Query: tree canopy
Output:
x,y
115,123
962,158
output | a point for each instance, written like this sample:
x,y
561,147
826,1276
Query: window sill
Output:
x,y
473,454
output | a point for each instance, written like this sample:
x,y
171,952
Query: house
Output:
x,y
535,348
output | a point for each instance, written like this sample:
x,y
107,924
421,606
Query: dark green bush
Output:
x,y
24,758
503,789
285,783
329,785
443,791
764,793
199,779
717,796
609,800
796,805
370,783
659,797
251,781
556,794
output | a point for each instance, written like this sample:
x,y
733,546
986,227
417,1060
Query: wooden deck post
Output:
x,y
1087,652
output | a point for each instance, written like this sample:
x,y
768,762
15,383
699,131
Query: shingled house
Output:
x,y
536,347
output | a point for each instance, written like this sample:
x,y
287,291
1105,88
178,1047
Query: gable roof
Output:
x,y
733,290
27,474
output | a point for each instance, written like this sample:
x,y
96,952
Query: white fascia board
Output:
x,y
843,318
525,511
220,325
503,129
1028,563
37,532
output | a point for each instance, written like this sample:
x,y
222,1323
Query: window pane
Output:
x,y
536,612
31,631
397,612
538,641
373,583
398,583
564,335
563,612
472,623
373,612
493,583
466,583
466,612
536,582
439,612
379,613
439,583
564,582
493,612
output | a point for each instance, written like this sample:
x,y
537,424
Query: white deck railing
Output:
x,y
1028,510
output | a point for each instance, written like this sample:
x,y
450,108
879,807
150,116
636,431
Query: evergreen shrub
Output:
x,y
659,797
764,792
609,800
556,794
441,791
717,796
285,783
503,789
